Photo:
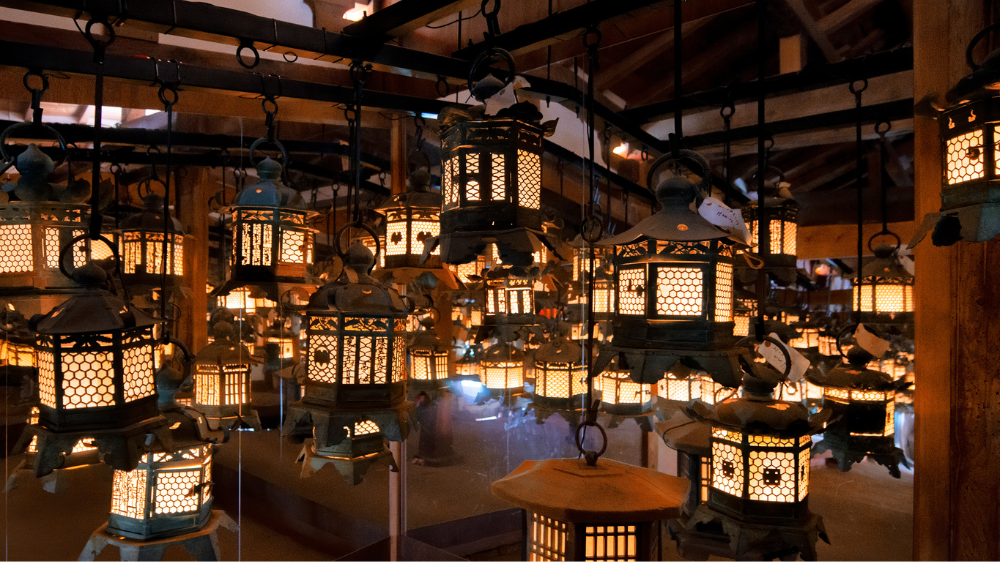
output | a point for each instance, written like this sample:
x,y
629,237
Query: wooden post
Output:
x,y
193,188
957,297
397,168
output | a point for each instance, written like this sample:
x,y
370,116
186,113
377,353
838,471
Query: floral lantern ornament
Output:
x,y
142,246
885,287
222,381
491,178
355,332
272,242
777,216
864,401
675,286
759,479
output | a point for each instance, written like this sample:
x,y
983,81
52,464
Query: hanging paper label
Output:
x,y
730,220
772,354
505,97
870,342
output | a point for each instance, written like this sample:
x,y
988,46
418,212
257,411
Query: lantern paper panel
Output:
x,y
694,387
884,298
142,252
503,375
560,380
428,365
760,468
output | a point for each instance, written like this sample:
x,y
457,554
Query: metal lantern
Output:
x,y
865,401
808,337
352,456
222,381
674,388
620,395
744,313
272,242
560,374
410,219
83,453
886,288
142,246
468,364
428,358
17,354
777,217
574,511
169,493
242,302
281,345
501,369
510,297
675,287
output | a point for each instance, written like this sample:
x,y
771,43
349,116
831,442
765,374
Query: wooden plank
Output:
x,y
845,15
811,28
193,187
404,17
840,240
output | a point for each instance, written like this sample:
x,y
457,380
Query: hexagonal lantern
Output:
x,y
272,242
428,358
501,370
777,216
675,287
620,395
468,365
222,381
560,375
510,296
574,511
411,218
886,289
142,246
352,456
808,337
674,388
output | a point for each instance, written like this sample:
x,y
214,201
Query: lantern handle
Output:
x,y
366,228
69,245
274,142
6,158
852,327
770,168
492,53
883,232
975,41
781,347
691,155
590,456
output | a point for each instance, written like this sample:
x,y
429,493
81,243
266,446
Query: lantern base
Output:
x,y
119,448
159,526
699,543
248,418
749,541
976,223
329,426
202,544
355,397
516,246
849,449
273,286
96,420
352,468
647,366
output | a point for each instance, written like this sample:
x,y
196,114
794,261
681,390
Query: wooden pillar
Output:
x,y
957,296
193,188
397,161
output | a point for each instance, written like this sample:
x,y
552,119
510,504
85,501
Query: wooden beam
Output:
x,y
193,187
812,28
840,240
657,47
844,15
404,17
791,54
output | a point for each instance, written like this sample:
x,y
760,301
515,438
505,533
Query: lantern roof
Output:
x,y
562,350
885,264
611,492
151,217
94,310
414,197
33,185
850,375
759,416
503,353
269,191
983,82
224,350
355,291
427,339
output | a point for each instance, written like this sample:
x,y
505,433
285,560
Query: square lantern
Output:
x,y
142,246
620,518
622,396
352,456
886,288
355,339
222,380
95,362
272,241
502,369
169,493
560,374
411,218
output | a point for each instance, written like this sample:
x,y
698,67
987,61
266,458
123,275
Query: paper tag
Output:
x,y
870,342
730,220
772,354
505,97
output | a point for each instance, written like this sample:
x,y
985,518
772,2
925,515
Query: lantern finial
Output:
x,y
269,169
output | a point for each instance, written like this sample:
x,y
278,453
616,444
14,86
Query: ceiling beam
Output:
x,y
812,28
656,47
404,17
846,14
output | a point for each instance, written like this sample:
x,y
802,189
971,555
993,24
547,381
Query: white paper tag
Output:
x,y
870,342
505,97
772,354
730,220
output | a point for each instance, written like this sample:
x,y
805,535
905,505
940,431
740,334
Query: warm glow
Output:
x,y
560,380
692,388
621,150
776,468
365,357
887,298
172,483
503,375
782,237
617,387
427,365
610,542
225,386
547,540
966,158
809,338
357,12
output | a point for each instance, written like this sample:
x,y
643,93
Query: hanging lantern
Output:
x,y
886,289
560,375
620,395
410,219
169,493
272,242
281,345
827,344
744,313
865,401
142,246
808,337
242,302
222,381
491,177
351,457
674,388
509,296
574,511
428,358
777,216
501,370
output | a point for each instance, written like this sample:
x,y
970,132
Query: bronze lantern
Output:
x,y
410,219
675,286
272,241
885,287
142,246
776,215
560,376
222,381
428,358
501,370
362,446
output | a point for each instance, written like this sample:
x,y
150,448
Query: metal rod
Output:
x,y
678,63
763,235
858,174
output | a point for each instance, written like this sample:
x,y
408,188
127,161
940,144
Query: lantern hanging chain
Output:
x,y
359,74
116,172
727,112
881,129
168,97
857,88
36,94
763,235
99,46
678,77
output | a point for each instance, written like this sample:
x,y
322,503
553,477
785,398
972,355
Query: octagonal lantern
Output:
x,y
144,254
272,242
885,287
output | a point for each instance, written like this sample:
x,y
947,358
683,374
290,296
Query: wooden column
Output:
x,y
397,161
957,296
193,187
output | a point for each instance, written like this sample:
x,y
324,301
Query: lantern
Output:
x,y
886,288
744,313
272,242
428,358
491,180
468,365
827,344
674,388
620,395
281,345
509,296
776,216
351,457
83,453
142,246
560,375
17,354
373,248
169,493
808,337
411,218
675,287
222,381
574,511
242,303
865,401
501,370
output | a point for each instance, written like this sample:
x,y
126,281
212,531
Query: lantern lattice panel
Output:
x,y
322,345
502,375
741,325
529,171
884,297
611,542
790,238
727,468
364,427
52,247
472,186
256,241
632,291
547,539
46,379
498,179
293,247
560,380
16,251
723,292
965,158
617,387
769,480
128,494
139,376
679,291
88,380
173,492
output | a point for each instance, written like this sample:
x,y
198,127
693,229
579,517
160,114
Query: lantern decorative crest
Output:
x,y
759,487
142,245
272,242
885,287
491,178
222,381
95,375
777,215
675,286
356,357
